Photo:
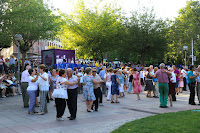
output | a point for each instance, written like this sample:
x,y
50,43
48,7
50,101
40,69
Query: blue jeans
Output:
x,y
130,87
32,96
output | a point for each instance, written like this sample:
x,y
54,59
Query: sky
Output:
x,y
162,8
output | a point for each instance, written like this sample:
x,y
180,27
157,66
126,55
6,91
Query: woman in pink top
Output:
x,y
137,84
181,83
109,82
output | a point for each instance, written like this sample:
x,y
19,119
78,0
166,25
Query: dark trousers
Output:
x,y
103,86
25,96
192,92
101,97
97,96
174,95
72,101
184,80
60,106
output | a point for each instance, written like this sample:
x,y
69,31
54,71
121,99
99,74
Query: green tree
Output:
x,y
5,36
93,32
33,20
185,27
146,37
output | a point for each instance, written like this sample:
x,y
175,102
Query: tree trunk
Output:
x,y
23,59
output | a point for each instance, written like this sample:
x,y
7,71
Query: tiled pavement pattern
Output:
x,y
14,118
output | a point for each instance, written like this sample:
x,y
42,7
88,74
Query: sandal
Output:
x,y
112,102
116,101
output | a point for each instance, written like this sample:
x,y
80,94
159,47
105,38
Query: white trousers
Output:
x,y
108,85
121,88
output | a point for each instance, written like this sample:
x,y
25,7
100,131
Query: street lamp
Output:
x,y
185,48
18,38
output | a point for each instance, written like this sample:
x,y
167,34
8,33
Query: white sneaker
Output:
x,y
3,96
60,119
92,110
101,104
15,94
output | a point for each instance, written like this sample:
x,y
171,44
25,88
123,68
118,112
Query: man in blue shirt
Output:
x,y
191,84
12,63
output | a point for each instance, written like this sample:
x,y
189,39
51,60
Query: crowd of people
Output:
x,y
40,85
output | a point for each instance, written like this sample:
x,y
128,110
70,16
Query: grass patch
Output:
x,y
179,122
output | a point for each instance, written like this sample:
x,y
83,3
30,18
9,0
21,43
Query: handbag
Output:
x,y
60,93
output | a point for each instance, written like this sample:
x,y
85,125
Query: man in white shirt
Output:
x,y
24,85
183,71
173,80
72,94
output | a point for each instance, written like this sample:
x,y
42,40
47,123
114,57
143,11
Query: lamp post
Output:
x,y
18,38
185,48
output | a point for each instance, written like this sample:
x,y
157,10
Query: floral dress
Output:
x,y
53,82
88,88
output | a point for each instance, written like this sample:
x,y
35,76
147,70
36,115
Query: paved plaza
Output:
x,y
14,118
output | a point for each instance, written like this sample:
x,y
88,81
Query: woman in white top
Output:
x,y
32,90
109,82
44,88
60,100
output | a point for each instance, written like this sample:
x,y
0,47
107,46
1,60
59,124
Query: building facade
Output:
x,y
35,50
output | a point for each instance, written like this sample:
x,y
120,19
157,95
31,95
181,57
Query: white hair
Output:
x,y
162,65
28,67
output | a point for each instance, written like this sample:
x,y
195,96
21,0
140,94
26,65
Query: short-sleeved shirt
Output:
x,y
97,78
71,80
108,77
43,85
190,73
162,77
59,83
121,78
32,86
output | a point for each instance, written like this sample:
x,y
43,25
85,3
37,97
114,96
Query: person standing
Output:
x,y
172,85
191,84
163,79
24,85
149,83
183,71
53,79
1,64
130,81
122,79
72,91
32,90
60,101
136,82
115,87
102,74
177,73
109,82
12,63
88,89
44,88
198,84
97,90
155,83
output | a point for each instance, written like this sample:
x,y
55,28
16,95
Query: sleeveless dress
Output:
x,y
137,88
114,85
149,83
88,88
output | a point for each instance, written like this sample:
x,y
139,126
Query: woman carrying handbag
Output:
x,y
60,94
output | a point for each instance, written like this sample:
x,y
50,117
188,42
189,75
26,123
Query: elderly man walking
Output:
x,y
24,85
72,94
163,79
